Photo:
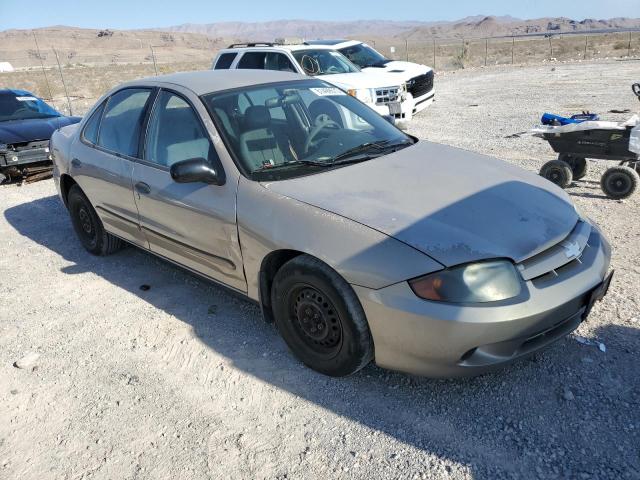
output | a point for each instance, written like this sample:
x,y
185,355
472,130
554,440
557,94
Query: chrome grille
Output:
x,y
388,94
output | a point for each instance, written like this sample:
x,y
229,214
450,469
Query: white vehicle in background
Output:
x,y
384,92
419,78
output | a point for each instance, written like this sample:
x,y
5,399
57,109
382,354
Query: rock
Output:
x,y
568,395
28,362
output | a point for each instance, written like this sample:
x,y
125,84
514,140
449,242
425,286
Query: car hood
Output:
x,y
453,205
405,70
362,80
19,131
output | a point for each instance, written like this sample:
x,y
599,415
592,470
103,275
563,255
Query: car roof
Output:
x,y
209,81
275,46
336,43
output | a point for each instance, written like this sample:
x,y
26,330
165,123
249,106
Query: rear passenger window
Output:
x,y
90,132
225,60
122,119
252,60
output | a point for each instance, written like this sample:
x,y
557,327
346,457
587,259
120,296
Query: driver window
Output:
x,y
175,132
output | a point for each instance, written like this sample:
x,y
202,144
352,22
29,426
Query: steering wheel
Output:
x,y
321,122
333,69
636,89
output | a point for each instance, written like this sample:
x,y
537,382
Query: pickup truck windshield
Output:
x,y
288,129
364,56
323,62
21,105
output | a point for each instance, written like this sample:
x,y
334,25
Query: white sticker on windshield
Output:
x,y
27,99
327,91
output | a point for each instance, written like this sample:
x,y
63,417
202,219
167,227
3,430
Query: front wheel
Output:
x,y
320,318
94,238
579,165
558,172
619,182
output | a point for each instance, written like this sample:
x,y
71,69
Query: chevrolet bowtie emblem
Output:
x,y
571,249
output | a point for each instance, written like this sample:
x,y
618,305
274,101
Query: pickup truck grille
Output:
x,y
421,84
388,94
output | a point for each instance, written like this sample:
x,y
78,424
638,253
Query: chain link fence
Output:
x,y
72,80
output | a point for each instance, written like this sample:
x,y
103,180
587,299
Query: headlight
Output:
x,y
365,95
481,282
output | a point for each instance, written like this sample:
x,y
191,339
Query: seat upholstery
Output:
x,y
259,143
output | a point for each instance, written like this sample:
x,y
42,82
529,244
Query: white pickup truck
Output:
x,y
384,92
419,78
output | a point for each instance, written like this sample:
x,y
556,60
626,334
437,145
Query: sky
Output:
x,y
129,14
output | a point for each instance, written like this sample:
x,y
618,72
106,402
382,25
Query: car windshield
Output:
x,y
21,105
364,56
323,62
287,129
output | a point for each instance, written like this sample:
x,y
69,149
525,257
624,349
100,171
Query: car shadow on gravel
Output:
x,y
570,410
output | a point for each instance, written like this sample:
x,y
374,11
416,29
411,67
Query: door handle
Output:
x,y
76,163
143,188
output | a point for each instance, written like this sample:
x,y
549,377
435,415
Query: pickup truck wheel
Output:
x,y
94,238
619,182
558,172
320,318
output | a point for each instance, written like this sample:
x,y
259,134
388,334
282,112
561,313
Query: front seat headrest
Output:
x,y
257,117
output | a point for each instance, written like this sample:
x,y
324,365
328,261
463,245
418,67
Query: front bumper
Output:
x,y
437,339
27,154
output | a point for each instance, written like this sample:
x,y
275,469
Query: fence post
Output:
x,y
486,50
64,85
42,65
406,48
550,48
629,47
434,54
513,47
153,57
586,43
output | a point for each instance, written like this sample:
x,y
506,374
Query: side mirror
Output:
x,y
195,170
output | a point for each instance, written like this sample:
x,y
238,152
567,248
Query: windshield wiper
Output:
x,y
293,163
380,147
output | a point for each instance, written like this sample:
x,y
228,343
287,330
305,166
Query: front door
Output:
x,y
193,224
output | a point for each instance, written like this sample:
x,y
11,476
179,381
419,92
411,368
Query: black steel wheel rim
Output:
x,y
86,228
618,184
315,320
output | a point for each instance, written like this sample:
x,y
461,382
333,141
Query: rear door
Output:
x,y
193,224
103,159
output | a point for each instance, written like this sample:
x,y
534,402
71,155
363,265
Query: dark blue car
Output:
x,y
26,126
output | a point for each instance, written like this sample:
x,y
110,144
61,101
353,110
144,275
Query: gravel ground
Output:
x,y
183,380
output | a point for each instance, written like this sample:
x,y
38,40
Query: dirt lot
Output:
x,y
185,381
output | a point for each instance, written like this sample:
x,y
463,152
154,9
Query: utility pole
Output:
x,y
586,44
434,54
42,65
513,47
486,50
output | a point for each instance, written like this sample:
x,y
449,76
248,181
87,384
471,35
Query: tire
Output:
x,y
579,165
619,182
91,233
320,318
558,172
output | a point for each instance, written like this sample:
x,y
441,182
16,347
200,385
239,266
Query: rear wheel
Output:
x,y
320,318
558,172
579,165
91,233
619,182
